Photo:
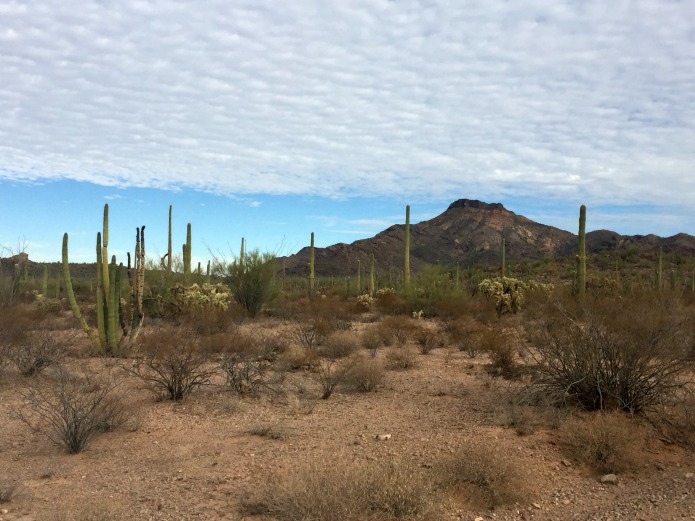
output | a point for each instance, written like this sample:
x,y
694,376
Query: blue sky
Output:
x,y
269,119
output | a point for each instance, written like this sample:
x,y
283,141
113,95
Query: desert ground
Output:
x,y
441,436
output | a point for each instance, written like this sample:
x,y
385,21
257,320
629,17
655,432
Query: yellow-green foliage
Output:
x,y
208,297
508,293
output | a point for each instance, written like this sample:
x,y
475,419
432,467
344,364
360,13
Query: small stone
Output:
x,y
536,505
688,475
479,519
5,511
566,463
565,501
383,437
609,478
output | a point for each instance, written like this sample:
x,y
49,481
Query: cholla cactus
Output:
x,y
365,301
206,298
385,291
508,293
418,315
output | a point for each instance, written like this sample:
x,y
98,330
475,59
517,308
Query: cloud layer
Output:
x,y
590,101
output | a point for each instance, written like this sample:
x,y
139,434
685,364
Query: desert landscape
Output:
x,y
503,390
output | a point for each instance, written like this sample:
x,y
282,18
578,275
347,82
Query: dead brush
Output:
x,y
491,477
37,351
171,363
337,488
607,442
72,409
365,374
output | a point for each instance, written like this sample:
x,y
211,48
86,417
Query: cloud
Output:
x,y
583,101
255,204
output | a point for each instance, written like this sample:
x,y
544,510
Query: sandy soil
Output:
x,y
196,460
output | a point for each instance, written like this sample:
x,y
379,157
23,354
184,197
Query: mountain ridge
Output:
x,y
470,232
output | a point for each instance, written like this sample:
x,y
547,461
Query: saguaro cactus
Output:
x,y
504,257
660,271
581,254
406,266
169,244
187,255
312,279
242,255
371,275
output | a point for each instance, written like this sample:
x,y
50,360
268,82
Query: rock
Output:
x,y
566,463
383,437
536,505
609,478
688,475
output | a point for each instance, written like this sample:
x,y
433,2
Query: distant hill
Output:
x,y
470,232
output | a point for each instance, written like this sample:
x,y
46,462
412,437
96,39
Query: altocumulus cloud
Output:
x,y
418,98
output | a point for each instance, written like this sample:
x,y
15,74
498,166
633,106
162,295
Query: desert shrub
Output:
x,y
328,374
339,344
252,281
308,334
401,358
426,339
493,477
608,442
462,334
170,361
247,364
296,358
71,409
365,374
398,329
610,358
391,303
371,340
36,351
335,488
500,345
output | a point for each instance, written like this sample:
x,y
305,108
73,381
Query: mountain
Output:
x,y
470,232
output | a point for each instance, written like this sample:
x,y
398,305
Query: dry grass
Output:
x,y
491,477
337,489
401,358
607,442
365,374
100,511
339,344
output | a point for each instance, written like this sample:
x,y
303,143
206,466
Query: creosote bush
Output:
x,y
603,357
171,362
36,351
71,409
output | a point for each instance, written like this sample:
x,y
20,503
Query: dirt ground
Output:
x,y
196,460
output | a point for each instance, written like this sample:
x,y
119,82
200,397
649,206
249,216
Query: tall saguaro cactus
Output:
x,y
187,255
312,278
169,260
371,275
581,254
406,266
660,271
242,255
504,257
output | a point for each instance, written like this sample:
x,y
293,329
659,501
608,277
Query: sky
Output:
x,y
272,119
